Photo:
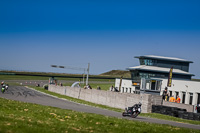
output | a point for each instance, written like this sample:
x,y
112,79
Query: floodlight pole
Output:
x,y
87,73
84,76
85,69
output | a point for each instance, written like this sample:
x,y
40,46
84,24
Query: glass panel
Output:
x,y
153,84
183,97
198,99
158,85
170,93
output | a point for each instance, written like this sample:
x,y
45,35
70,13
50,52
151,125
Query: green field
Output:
x,y
16,75
18,117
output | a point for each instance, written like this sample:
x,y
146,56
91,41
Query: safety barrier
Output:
x,y
175,112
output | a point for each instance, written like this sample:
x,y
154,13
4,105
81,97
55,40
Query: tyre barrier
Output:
x,y
175,112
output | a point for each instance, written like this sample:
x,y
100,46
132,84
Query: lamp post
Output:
x,y
76,68
87,73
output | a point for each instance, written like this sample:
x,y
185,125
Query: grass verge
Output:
x,y
73,78
19,117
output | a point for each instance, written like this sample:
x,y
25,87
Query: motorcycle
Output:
x,y
6,87
133,111
3,89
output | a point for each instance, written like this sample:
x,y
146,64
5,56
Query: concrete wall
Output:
x,y
116,99
109,98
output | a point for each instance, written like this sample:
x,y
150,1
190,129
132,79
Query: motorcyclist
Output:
x,y
6,87
3,88
134,106
2,82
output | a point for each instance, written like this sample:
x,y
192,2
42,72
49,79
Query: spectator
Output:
x,y
98,88
172,99
165,94
85,87
89,87
112,88
178,100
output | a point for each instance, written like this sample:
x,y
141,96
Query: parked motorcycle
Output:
x,y
133,111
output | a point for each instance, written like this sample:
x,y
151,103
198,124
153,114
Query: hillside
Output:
x,y
117,73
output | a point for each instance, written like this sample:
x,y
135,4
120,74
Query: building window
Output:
x,y
183,97
170,93
191,98
177,93
198,99
148,62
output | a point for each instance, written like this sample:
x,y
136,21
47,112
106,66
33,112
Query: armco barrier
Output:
x,y
112,99
189,108
175,112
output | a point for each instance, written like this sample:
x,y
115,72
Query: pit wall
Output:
x,y
109,98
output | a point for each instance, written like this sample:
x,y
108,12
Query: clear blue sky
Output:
x,y
35,34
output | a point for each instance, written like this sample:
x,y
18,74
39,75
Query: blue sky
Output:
x,y
107,34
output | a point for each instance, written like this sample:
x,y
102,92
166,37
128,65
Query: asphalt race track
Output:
x,y
24,94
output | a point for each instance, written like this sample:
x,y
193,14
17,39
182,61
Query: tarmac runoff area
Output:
x,y
29,95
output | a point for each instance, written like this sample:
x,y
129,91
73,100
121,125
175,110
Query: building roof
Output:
x,y
163,58
159,69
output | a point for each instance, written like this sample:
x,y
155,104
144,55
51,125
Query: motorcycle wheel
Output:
x,y
123,114
134,115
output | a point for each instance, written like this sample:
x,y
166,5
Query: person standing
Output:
x,y
178,100
165,94
111,88
172,99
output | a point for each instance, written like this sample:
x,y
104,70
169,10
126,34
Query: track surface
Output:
x,y
24,94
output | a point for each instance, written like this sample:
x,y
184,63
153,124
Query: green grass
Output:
x,y
18,117
151,115
20,77
104,86
170,118
12,75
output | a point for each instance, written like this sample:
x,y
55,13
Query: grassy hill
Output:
x,y
117,73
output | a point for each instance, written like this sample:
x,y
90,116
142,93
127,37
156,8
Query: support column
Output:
x,y
194,100
187,97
